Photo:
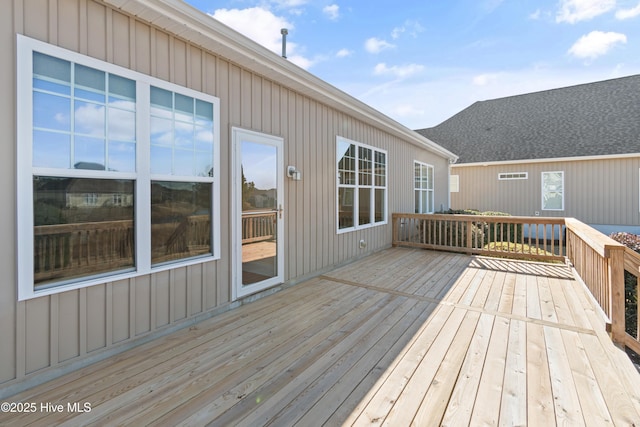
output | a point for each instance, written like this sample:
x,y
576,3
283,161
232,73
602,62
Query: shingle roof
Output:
x,y
601,118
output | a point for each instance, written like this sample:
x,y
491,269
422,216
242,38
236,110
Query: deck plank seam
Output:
x,y
465,306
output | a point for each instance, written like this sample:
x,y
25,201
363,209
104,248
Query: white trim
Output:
x,y
142,177
238,290
548,160
357,186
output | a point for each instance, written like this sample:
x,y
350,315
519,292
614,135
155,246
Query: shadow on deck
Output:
x,y
402,336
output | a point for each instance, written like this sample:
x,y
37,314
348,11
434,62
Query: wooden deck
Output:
x,y
403,337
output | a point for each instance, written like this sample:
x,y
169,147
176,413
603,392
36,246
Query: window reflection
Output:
x,y
78,229
180,220
181,134
56,144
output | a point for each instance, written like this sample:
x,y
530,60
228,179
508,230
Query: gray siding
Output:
x,y
596,191
75,326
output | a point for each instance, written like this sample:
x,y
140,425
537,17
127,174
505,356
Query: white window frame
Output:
x,y
512,176
542,190
429,191
142,176
357,186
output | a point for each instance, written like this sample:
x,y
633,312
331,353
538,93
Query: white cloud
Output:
x,y
375,45
573,11
411,27
628,13
400,72
332,11
596,43
485,79
535,15
289,3
263,27
343,53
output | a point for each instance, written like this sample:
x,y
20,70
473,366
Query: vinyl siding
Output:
x,y
596,191
65,330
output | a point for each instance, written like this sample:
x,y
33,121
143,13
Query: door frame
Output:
x,y
237,136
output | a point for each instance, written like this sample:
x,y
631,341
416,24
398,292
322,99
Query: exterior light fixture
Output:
x,y
294,173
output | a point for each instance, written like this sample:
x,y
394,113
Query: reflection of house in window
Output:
x,y
117,199
91,199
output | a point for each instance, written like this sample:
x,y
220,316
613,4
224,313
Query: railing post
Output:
x,y
469,233
616,286
394,225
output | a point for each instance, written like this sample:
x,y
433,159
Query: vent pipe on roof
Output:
x,y
284,33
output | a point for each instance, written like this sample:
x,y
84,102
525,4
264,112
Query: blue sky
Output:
x,y
421,62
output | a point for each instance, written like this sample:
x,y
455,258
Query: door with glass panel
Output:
x,y
258,214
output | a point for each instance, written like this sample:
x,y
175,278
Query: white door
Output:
x,y
258,199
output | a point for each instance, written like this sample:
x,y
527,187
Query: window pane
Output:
x,y
161,132
365,168
51,112
89,153
122,156
345,208
161,100
183,135
203,138
89,78
552,190
53,68
78,231
89,118
381,169
183,162
204,113
51,149
416,201
49,86
184,108
180,220
122,87
204,163
122,124
380,205
364,206
346,163
161,160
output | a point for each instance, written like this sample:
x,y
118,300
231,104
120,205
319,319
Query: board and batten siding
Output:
x,y
602,191
45,336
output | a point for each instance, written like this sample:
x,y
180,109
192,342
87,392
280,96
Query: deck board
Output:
x,y
401,337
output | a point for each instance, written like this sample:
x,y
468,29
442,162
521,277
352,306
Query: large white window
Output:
x,y
117,172
423,187
553,191
362,185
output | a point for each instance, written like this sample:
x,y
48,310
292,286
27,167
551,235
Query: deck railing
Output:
x,y
257,227
597,259
514,237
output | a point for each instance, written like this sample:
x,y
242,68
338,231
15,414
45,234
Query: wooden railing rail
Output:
x,y
81,248
532,238
599,261
257,227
